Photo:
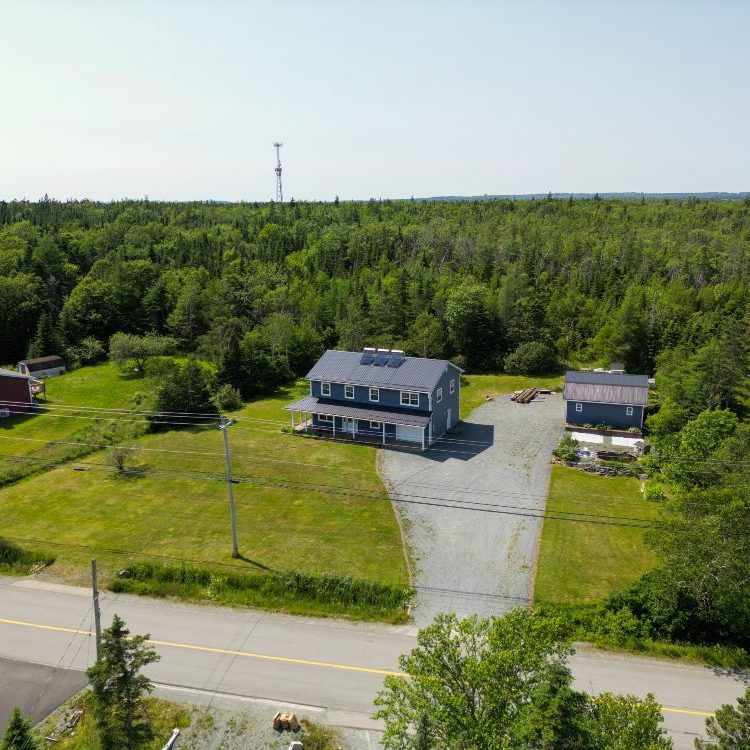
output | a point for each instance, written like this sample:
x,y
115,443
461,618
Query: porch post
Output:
x,y
292,422
334,426
423,438
383,433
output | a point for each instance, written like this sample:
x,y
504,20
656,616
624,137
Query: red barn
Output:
x,y
15,392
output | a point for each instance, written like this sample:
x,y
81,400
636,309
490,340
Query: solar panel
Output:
x,y
367,356
396,358
381,357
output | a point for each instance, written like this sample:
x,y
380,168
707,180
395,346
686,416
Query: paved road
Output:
x,y
300,661
479,555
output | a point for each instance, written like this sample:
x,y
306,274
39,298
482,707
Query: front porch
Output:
x,y
384,427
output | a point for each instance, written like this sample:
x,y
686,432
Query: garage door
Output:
x,y
412,434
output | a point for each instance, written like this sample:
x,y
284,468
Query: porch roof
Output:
x,y
390,416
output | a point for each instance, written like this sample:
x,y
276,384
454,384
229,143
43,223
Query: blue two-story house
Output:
x,y
601,397
382,395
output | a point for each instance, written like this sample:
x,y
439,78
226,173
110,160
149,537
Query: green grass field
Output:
x,y
579,563
476,388
311,527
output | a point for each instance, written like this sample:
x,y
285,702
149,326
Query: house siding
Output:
x,y
14,390
388,396
611,414
440,410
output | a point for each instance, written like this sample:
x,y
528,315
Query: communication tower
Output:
x,y
279,192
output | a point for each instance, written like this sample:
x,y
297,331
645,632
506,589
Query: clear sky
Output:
x,y
183,100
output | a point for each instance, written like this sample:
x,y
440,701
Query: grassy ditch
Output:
x,y
617,631
294,593
17,561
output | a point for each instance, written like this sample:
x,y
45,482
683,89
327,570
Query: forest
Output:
x,y
520,286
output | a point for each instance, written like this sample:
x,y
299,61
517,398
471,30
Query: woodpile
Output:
x,y
525,396
283,722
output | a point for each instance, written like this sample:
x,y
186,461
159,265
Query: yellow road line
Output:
x,y
285,659
212,650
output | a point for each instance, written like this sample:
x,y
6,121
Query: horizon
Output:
x,y
184,102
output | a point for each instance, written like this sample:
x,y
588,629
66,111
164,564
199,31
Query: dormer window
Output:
x,y
325,389
348,391
374,394
409,398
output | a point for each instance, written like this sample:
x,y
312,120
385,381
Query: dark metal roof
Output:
x,y
41,363
606,378
606,394
414,372
336,409
13,374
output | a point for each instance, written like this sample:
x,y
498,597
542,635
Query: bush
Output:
x,y
88,352
227,398
531,358
603,426
566,449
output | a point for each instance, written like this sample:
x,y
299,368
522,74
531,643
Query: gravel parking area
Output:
x,y
470,507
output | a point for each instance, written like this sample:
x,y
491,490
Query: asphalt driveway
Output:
x,y
470,507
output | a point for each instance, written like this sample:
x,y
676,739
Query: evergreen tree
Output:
x,y
119,688
730,727
18,734
47,339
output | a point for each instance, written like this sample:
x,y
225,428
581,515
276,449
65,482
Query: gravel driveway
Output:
x,y
478,554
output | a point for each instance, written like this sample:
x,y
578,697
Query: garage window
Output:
x,y
348,391
325,389
579,407
409,398
629,411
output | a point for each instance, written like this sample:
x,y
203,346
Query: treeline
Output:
x,y
492,284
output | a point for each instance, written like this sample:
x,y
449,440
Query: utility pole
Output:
x,y
224,427
97,615
279,192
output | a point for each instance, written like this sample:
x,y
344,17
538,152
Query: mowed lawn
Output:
x,y
303,505
476,388
581,562
101,386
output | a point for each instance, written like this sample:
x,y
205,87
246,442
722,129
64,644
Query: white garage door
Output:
x,y
412,434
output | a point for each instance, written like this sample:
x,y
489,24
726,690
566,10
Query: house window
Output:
x,y
375,425
374,394
409,398
579,407
453,386
325,389
629,411
325,418
439,395
348,391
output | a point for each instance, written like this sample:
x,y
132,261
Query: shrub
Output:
x,y
532,358
634,429
88,351
603,426
566,448
227,398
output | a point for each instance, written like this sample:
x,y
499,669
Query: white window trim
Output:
x,y
346,388
439,395
377,391
628,411
323,389
408,403
325,418
376,425
579,407
453,386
